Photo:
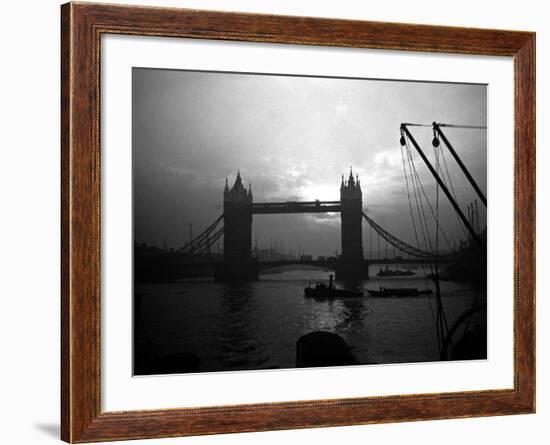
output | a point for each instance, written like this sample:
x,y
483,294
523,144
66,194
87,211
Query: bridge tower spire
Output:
x,y
351,264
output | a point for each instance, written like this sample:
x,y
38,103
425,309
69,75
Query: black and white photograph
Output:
x,y
232,222
286,221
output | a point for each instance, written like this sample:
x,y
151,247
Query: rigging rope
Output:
x,y
471,127
419,206
450,185
409,198
415,230
421,187
441,317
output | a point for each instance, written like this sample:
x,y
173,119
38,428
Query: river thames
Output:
x,y
256,325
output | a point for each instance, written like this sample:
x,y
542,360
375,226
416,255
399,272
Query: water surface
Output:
x,y
256,325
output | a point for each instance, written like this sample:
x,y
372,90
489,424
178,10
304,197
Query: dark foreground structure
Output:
x,y
320,348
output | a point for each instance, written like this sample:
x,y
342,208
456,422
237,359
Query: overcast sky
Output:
x,y
292,138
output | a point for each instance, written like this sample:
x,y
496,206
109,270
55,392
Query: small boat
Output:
x,y
324,290
399,292
394,273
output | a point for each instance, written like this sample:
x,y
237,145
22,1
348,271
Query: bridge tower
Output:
x,y
351,264
237,240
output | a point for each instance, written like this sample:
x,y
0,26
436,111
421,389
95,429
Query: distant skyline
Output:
x,y
292,138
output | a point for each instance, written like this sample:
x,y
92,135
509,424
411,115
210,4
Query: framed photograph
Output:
x,y
274,222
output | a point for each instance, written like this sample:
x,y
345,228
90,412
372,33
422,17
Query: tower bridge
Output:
x,y
235,223
238,211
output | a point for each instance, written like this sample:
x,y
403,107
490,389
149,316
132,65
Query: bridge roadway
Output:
x,y
270,208
331,264
328,264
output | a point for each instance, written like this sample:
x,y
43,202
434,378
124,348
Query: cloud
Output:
x,y
292,138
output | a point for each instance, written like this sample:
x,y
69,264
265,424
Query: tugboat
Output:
x,y
394,273
399,292
323,290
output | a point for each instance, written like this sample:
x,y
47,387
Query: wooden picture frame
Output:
x,y
82,25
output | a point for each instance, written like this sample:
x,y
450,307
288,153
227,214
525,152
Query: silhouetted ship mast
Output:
x,y
470,223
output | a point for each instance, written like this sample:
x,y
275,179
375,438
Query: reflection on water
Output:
x,y
256,325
